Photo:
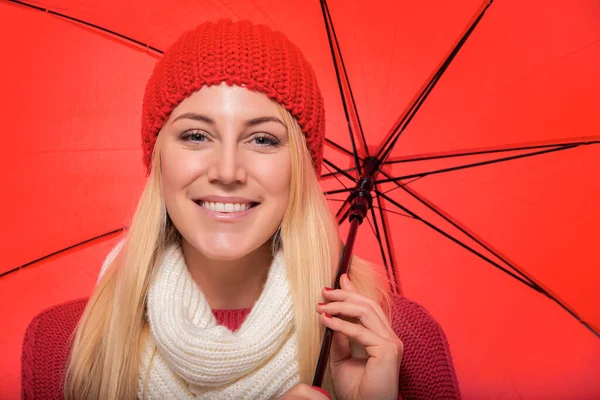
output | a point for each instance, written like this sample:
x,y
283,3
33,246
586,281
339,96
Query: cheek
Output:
x,y
275,178
179,166
179,169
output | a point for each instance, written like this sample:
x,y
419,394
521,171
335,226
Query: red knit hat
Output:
x,y
242,54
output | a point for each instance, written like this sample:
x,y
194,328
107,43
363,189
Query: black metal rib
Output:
x,y
384,256
332,174
412,110
461,229
528,282
389,263
341,148
60,251
89,24
339,170
345,204
336,177
405,183
340,71
371,226
346,214
457,241
490,151
338,191
477,164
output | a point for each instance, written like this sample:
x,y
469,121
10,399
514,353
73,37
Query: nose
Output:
x,y
227,166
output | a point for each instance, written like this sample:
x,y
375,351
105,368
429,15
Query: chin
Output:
x,y
223,254
225,250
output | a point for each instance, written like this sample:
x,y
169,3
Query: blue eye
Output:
x,y
193,136
265,140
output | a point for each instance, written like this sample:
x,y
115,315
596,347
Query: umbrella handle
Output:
x,y
343,268
360,202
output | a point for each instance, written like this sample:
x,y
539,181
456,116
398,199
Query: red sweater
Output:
x,y
427,371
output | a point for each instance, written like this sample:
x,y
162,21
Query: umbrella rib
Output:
x,y
528,281
60,251
431,207
491,151
89,24
403,184
350,109
337,191
477,164
386,236
340,147
384,256
339,212
459,242
372,228
331,174
339,170
329,164
418,101
336,177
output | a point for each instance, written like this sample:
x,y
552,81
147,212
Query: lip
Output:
x,y
224,199
226,217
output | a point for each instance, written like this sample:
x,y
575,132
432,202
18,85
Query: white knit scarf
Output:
x,y
187,355
197,358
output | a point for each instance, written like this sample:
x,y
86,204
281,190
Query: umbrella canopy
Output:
x,y
488,196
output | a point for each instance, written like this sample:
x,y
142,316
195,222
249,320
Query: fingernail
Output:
x,y
328,288
321,304
326,315
322,391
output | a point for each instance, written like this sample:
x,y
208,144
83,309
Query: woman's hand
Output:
x,y
353,316
303,391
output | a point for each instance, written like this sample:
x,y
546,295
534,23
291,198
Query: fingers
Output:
x,y
382,351
363,313
359,318
340,348
348,293
347,284
354,331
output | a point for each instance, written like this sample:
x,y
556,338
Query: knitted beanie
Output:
x,y
242,54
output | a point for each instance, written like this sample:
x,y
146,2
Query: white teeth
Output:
x,y
224,207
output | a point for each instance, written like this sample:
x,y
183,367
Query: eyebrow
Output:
x,y
208,120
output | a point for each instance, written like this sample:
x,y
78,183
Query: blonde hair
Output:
x,y
105,354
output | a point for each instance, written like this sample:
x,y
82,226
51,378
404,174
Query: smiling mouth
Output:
x,y
225,207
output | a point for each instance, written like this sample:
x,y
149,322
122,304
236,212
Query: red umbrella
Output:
x,y
488,196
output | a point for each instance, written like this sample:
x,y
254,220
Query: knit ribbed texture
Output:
x,y
46,350
199,357
241,54
427,370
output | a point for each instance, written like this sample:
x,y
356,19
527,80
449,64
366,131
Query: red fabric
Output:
x,y
427,370
239,54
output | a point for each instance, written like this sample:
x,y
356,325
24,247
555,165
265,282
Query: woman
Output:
x,y
220,287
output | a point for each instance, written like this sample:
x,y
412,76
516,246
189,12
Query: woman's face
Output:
x,y
225,170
